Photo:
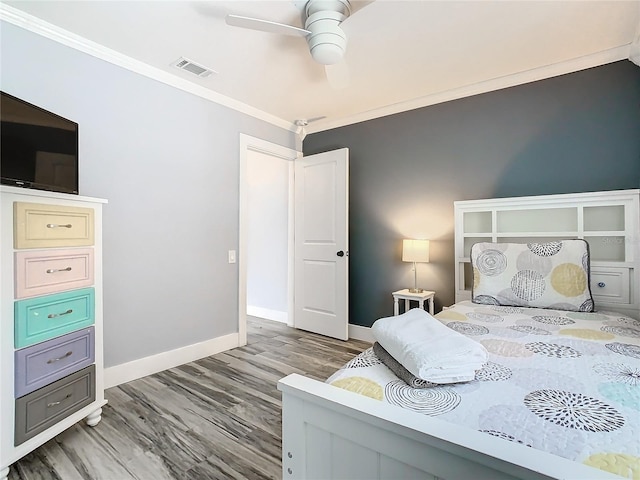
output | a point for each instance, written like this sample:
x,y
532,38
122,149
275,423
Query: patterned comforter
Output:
x,y
563,382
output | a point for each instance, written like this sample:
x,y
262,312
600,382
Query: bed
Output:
x,y
558,398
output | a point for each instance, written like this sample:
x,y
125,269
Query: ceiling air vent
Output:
x,y
192,67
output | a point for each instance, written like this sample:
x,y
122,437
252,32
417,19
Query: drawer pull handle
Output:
x,y
54,315
602,284
53,360
57,225
56,270
53,404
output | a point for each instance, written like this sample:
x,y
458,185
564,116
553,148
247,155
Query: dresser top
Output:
x,y
46,194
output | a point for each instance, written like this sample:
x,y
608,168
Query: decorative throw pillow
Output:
x,y
542,275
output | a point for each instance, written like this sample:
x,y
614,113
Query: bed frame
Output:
x,y
331,433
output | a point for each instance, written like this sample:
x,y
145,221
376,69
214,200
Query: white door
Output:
x,y
321,243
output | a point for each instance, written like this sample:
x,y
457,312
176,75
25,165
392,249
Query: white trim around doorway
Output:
x,y
247,144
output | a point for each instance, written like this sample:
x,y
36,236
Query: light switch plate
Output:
x,y
232,256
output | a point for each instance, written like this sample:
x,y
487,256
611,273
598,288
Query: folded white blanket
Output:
x,y
429,349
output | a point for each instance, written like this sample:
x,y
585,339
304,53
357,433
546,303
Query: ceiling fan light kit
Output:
x,y
327,41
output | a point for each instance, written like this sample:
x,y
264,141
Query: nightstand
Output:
x,y
407,296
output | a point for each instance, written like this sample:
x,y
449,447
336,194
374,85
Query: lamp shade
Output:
x,y
415,251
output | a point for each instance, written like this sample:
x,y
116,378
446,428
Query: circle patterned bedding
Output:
x,y
567,383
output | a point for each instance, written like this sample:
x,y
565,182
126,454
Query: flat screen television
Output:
x,y
38,149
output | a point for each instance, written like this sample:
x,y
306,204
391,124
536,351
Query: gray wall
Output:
x,y
167,161
574,133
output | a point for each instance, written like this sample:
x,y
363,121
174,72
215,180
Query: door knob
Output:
x,y
340,253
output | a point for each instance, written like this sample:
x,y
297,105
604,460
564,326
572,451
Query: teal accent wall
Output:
x,y
573,133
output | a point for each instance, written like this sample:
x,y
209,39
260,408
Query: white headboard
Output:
x,y
609,221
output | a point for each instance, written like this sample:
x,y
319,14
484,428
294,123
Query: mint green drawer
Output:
x,y
41,318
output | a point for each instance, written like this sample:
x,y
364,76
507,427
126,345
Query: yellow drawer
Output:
x,y
41,226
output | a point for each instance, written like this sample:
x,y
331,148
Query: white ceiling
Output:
x,y
401,54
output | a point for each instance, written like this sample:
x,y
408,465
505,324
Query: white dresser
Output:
x,y
609,221
51,355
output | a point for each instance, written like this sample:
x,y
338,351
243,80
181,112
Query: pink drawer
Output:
x,y
40,272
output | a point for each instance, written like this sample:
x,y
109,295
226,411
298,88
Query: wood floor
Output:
x,y
216,418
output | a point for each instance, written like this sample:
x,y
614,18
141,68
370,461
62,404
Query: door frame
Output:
x,y
248,144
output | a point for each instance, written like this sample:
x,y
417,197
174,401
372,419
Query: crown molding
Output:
x,y
36,25
511,80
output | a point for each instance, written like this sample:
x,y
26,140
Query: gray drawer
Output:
x,y
46,362
45,407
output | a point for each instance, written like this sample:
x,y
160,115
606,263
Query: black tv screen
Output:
x,y
38,149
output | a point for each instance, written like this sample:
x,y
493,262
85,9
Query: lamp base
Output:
x,y
416,290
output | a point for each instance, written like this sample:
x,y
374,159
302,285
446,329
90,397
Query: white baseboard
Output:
x,y
359,332
267,313
142,367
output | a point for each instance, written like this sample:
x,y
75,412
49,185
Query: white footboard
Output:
x,y
330,433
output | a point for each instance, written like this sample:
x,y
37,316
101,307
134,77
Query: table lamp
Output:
x,y
416,251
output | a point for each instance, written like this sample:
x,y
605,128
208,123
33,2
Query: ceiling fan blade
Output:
x,y
357,5
265,26
338,75
363,14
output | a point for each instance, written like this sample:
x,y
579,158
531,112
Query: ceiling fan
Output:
x,y
323,30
